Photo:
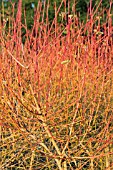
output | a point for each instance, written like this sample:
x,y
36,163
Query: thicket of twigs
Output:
x,y
56,93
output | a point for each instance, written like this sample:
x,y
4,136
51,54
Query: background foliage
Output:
x,y
81,7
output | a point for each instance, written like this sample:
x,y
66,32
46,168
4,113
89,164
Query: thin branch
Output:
x,y
17,60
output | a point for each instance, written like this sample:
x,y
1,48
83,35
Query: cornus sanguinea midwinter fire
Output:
x,y
56,97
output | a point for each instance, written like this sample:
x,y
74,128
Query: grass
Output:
x,y
56,97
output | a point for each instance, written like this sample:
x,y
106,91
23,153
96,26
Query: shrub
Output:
x,y
56,98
